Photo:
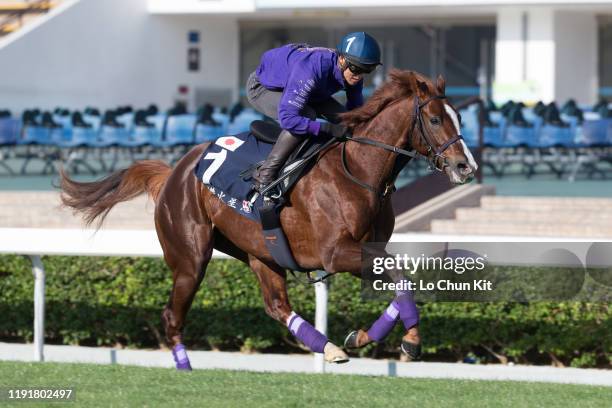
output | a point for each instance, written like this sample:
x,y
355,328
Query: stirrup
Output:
x,y
273,194
267,198
254,197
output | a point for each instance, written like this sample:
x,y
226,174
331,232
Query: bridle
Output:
x,y
435,155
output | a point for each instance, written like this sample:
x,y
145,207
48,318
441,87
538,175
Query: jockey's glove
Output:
x,y
336,130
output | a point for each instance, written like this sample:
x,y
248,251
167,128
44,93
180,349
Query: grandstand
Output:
x,y
61,101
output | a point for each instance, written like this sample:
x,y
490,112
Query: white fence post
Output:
x,y
320,319
38,271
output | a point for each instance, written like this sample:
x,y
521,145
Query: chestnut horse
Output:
x,y
329,216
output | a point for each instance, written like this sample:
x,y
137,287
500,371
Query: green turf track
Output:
x,y
117,386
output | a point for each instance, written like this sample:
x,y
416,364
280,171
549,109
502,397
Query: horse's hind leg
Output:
x,y
187,255
272,280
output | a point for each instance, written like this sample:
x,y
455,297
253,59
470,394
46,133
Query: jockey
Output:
x,y
294,84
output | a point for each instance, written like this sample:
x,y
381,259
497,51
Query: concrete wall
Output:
x,y
546,54
576,62
110,52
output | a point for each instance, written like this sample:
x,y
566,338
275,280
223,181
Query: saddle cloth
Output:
x,y
224,160
220,167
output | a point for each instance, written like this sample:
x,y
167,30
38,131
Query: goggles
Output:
x,y
360,70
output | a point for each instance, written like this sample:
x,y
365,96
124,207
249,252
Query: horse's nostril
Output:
x,y
464,168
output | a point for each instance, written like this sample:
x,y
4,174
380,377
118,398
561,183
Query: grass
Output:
x,y
124,386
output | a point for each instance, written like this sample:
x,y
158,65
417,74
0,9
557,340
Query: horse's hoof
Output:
x,y
334,354
356,339
350,342
412,350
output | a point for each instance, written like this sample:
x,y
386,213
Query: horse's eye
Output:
x,y
435,120
459,118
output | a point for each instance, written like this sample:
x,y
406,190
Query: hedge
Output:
x,y
118,302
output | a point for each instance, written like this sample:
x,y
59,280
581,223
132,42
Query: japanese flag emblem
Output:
x,y
230,143
246,206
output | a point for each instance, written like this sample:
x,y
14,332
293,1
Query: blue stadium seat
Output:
x,y
142,136
180,130
497,117
158,121
94,121
470,136
9,131
530,115
60,136
207,133
127,120
520,136
65,121
110,136
80,137
238,126
595,133
223,119
550,136
35,135
242,122
493,137
572,120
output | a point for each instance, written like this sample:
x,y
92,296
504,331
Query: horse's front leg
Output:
x,y
272,280
346,256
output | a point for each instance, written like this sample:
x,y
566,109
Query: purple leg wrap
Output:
x,y
408,311
404,302
385,323
180,357
305,333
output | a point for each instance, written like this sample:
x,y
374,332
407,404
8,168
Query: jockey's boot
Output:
x,y
266,173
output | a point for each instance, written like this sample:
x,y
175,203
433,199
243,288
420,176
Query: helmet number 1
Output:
x,y
349,42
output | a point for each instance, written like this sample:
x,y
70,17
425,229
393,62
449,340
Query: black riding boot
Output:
x,y
266,173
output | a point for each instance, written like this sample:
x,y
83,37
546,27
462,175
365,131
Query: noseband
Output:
x,y
435,155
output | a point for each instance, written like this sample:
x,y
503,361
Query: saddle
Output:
x,y
298,163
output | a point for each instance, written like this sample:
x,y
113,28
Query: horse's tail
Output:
x,y
95,199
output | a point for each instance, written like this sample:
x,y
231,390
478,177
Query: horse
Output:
x,y
342,202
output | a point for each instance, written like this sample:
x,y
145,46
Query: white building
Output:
x,y
110,52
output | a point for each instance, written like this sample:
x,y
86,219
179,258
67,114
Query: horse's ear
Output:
x,y
441,84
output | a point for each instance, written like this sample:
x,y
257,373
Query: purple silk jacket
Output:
x,y
306,75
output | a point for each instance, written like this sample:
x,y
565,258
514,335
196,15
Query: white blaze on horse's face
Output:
x,y
466,151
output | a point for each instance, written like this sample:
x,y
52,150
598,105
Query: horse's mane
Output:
x,y
400,84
